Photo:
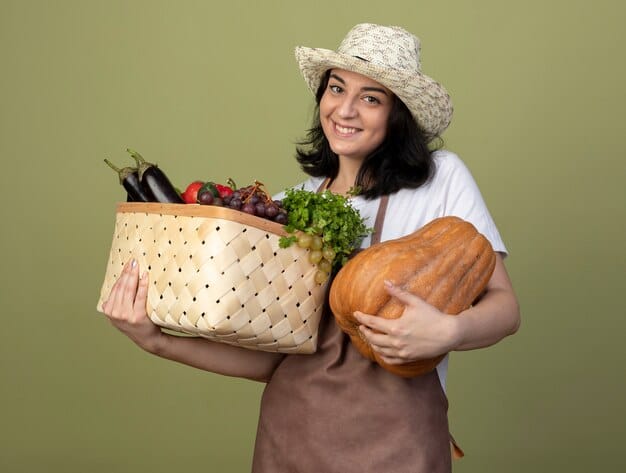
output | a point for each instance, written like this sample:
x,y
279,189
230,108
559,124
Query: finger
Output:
x,y
118,294
141,298
377,323
392,360
403,296
376,339
389,352
130,287
108,304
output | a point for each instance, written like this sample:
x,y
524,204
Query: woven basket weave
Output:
x,y
219,273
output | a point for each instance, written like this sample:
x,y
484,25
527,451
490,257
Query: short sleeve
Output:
x,y
460,196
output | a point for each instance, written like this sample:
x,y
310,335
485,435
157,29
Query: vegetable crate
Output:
x,y
220,274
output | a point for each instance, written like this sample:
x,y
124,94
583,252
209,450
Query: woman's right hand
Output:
x,y
126,308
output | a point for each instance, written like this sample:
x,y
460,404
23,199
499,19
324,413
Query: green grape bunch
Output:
x,y
324,223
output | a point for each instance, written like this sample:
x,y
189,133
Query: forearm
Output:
x,y
495,316
217,357
126,310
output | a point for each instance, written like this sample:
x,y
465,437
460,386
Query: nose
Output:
x,y
347,108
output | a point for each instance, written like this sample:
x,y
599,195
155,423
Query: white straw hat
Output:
x,y
390,55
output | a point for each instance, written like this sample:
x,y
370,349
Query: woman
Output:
x,y
335,410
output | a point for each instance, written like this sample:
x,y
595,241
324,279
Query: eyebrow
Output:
x,y
365,89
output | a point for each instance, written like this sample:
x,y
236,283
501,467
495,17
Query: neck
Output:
x,y
346,177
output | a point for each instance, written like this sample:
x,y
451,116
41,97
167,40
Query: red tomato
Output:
x,y
190,196
223,190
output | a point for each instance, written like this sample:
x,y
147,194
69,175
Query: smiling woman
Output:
x,y
376,121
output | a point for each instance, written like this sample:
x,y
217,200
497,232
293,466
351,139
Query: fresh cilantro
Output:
x,y
328,215
286,242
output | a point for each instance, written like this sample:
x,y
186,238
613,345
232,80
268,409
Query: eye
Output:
x,y
371,99
335,89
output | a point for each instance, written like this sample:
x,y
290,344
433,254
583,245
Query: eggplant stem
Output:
x,y
111,165
136,155
122,173
142,164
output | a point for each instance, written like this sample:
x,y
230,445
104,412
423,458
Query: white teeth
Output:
x,y
342,129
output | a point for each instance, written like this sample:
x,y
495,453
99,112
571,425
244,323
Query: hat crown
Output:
x,y
387,46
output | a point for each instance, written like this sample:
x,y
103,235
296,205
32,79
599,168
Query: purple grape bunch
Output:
x,y
255,200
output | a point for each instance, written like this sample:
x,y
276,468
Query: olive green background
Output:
x,y
212,90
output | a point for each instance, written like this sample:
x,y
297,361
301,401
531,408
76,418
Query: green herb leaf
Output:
x,y
328,215
286,242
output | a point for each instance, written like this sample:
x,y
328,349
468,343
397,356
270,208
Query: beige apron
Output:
x,y
336,411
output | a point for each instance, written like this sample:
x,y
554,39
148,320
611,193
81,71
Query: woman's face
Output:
x,y
354,111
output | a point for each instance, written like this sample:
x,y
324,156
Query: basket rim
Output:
x,y
198,210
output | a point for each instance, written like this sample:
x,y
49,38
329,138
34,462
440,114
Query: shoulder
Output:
x,y
452,180
445,156
451,190
450,175
448,164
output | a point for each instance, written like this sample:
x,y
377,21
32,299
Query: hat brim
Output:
x,y
427,100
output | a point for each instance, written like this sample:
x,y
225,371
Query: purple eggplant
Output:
x,y
129,179
154,180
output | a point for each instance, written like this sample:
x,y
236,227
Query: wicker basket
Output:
x,y
219,273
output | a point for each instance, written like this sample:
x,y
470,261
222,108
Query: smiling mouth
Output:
x,y
345,130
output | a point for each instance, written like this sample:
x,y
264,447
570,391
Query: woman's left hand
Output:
x,y
421,332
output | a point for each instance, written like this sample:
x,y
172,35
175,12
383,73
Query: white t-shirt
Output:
x,y
451,191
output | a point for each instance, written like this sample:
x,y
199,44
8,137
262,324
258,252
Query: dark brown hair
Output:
x,y
403,159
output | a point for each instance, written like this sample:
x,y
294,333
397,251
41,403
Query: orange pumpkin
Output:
x,y
447,263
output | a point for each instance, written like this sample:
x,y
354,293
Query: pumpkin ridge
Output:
x,y
477,276
421,260
447,275
474,280
435,228
410,280
441,266
439,257
364,264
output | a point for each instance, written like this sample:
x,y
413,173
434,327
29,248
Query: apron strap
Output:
x,y
457,452
323,185
380,219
